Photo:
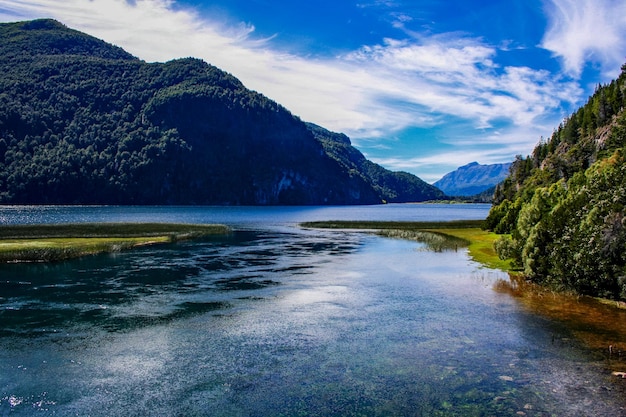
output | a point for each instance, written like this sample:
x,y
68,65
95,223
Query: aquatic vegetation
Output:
x,y
54,242
438,236
481,247
597,324
434,241
396,225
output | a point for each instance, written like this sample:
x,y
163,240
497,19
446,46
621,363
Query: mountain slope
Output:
x,y
393,187
565,205
84,122
472,179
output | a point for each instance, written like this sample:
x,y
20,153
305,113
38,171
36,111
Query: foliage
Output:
x,y
564,205
83,122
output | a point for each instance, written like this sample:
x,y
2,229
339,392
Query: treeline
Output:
x,y
563,206
84,122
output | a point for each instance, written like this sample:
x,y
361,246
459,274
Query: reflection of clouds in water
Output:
x,y
329,294
162,283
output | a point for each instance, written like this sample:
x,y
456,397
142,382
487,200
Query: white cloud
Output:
x,y
459,77
587,30
491,148
434,167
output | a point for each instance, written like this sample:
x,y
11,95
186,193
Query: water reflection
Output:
x,y
276,323
598,325
152,285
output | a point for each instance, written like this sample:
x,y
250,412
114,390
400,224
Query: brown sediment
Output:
x,y
599,324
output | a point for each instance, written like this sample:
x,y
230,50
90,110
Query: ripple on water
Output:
x,y
269,324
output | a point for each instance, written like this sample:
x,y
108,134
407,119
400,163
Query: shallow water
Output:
x,y
278,321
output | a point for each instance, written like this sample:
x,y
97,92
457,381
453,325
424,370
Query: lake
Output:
x,y
276,320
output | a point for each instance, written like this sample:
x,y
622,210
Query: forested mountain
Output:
x,y
472,179
84,122
394,187
564,204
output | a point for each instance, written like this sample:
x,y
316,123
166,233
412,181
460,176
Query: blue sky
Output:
x,y
420,86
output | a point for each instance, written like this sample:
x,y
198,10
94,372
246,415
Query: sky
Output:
x,y
422,86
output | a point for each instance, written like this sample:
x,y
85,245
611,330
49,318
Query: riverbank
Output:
x,y
56,242
467,233
599,324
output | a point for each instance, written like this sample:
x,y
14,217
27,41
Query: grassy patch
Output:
x,y
44,243
480,246
378,225
437,242
437,235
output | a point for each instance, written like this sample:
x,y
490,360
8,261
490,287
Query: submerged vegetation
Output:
x,y
599,324
55,242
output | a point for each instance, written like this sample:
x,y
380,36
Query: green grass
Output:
x,y
45,243
437,235
437,242
480,246
378,225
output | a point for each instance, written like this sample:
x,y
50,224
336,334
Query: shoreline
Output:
x,y
56,242
479,242
600,327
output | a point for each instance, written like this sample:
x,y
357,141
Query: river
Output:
x,y
276,320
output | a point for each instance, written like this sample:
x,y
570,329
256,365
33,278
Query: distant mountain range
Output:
x,y
84,122
472,179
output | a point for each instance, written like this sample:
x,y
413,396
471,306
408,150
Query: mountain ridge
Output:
x,y
84,122
472,179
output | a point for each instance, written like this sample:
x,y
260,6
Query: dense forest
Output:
x,y
84,122
563,206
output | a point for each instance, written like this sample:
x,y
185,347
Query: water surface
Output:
x,y
274,320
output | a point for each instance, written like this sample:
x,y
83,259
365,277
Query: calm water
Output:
x,y
274,320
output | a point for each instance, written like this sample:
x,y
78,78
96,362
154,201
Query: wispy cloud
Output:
x,y
430,166
459,77
581,31
489,148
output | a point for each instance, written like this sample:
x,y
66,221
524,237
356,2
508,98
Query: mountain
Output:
x,y
393,187
564,206
472,179
84,122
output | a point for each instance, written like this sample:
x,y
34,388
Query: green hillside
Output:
x,y
564,205
84,122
